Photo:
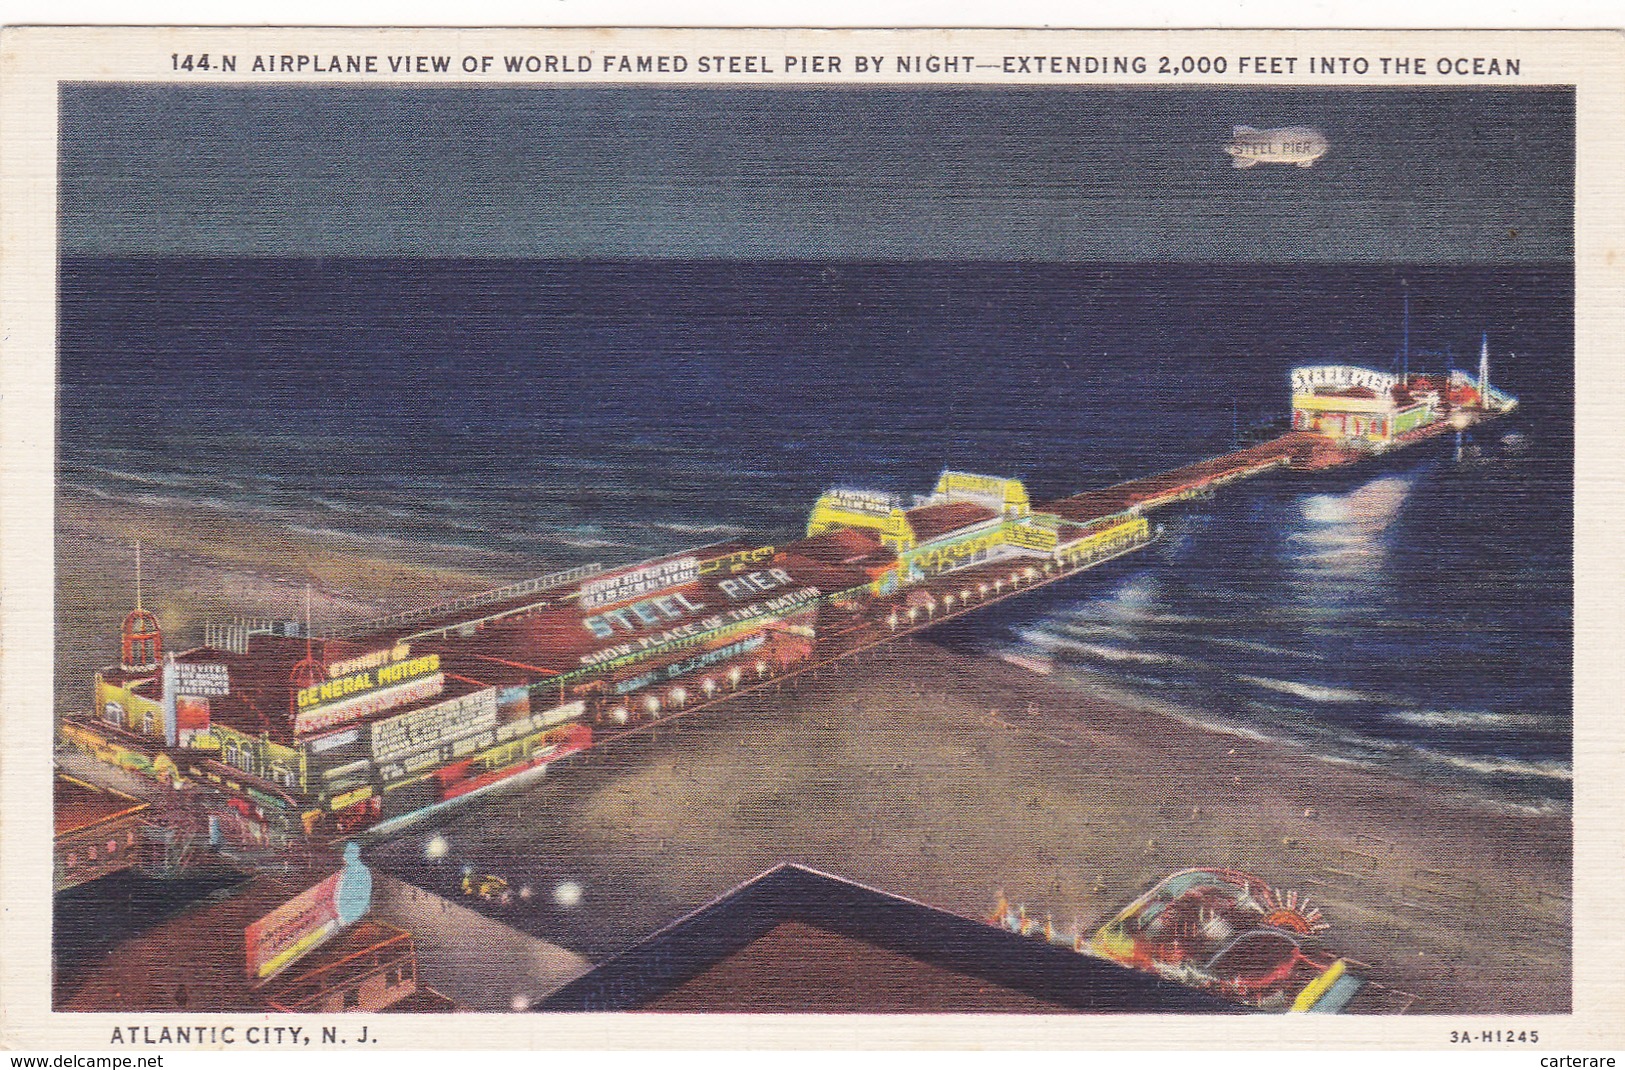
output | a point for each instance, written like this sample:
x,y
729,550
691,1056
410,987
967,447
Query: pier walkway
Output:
x,y
1294,449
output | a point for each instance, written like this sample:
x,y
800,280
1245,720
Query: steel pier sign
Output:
x,y
628,585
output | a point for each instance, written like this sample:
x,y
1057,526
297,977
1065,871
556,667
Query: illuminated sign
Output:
x,y
191,719
293,928
688,665
755,583
368,679
206,677
737,560
627,585
648,644
863,501
203,681
337,739
431,726
1342,377
570,711
369,703
560,714
401,763
712,657
350,798
642,614
952,481
1004,495
399,652
279,938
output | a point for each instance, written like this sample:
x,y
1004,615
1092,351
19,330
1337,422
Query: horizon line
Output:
x,y
807,261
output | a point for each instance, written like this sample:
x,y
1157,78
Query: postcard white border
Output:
x,y
35,60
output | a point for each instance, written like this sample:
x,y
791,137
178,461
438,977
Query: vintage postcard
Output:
x,y
914,538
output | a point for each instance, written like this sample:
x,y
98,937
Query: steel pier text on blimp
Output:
x,y
1298,145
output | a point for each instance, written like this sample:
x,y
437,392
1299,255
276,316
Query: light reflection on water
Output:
x,y
1296,615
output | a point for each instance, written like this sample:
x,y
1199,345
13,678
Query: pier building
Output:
x,y
1365,407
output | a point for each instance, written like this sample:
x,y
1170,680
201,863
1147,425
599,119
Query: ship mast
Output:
x,y
1405,288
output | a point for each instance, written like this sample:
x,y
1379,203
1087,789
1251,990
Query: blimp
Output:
x,y
1300,146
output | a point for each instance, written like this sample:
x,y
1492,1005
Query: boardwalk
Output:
x,y
1295,449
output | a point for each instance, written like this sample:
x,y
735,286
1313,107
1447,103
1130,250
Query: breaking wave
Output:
x,y
159,479
1312,692
1262,648
1546,769
1469,720
1054,643
700,529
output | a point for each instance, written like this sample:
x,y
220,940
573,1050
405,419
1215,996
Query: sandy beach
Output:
x,y
949,778
935,775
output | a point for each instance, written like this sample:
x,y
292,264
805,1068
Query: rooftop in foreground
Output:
x,y
795,940
78,805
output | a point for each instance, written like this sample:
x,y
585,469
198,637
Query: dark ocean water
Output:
x,y
1418,616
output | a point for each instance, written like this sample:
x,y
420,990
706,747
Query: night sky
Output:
x,y
876,173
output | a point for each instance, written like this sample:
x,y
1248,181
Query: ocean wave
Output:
x,y
1353,746
1226,728
145,478
594,544
335,505
342,534
1333,589
1538,807
1347,762
1036,637
1262,648
1180,620
1137,657
1510,784
1091,629
1131,596
1032,663
1054,644
699,529
1312,692
1541,769
219,505
138,497
1470,720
